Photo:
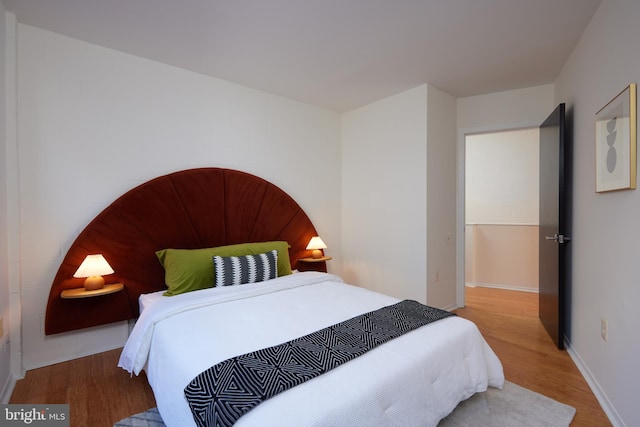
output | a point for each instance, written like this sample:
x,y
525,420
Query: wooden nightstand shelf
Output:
x,y
313,264
81,293
321,259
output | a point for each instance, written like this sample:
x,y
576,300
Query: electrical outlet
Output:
x,y
603,329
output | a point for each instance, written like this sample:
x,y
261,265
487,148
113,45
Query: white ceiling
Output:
x,y
337,54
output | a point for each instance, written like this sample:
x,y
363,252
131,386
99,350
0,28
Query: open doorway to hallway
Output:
x,y
501,192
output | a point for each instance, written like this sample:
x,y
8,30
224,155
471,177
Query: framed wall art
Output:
x,y
616,143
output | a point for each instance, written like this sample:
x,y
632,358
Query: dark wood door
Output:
x,y
554,259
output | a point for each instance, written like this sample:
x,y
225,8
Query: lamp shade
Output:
x,y
93,268
93,265
315,244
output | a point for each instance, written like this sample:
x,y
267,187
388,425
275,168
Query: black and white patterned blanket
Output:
x,y
223,393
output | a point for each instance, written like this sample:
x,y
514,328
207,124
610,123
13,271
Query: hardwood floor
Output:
x,y
100,394
509,322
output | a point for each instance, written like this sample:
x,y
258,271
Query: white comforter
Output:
x,y
413,380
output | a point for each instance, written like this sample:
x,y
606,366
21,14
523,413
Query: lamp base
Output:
x,y
92,283
316,253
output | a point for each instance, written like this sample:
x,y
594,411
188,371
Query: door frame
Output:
x,y
460,195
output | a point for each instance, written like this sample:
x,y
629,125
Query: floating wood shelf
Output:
x,y
82,293
324,258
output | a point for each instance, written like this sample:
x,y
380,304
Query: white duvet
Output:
x,y
414,380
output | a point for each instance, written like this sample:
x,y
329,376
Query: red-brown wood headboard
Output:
x,y
196,208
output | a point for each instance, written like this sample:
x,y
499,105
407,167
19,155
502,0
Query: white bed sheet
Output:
x,y
414,380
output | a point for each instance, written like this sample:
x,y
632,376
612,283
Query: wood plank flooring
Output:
x,y
100,394
509,322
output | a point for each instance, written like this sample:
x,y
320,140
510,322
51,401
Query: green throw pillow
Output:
x,y
187,270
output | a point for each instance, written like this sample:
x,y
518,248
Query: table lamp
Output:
x,y
93,268
315,244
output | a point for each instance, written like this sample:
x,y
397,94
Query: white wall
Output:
x,y
605,226
4,253
9,252
514,109
384,188
502,177
441,199
398,196
94,122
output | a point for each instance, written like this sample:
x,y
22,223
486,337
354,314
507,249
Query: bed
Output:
x,y
416,378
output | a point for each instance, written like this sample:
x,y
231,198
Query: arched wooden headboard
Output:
x,y
196,208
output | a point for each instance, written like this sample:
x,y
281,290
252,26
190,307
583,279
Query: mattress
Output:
x,y
416,379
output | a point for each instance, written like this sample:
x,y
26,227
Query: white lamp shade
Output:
x,y
93,265
316,243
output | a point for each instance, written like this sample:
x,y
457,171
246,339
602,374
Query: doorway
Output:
x,y
500,195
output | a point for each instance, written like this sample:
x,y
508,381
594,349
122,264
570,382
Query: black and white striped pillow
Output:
x,y
238,270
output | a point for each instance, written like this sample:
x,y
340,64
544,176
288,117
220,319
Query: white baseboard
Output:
x,y
607,407
7,390
500,286
69,357
450,307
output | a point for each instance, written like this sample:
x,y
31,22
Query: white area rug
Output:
x,y
513,406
